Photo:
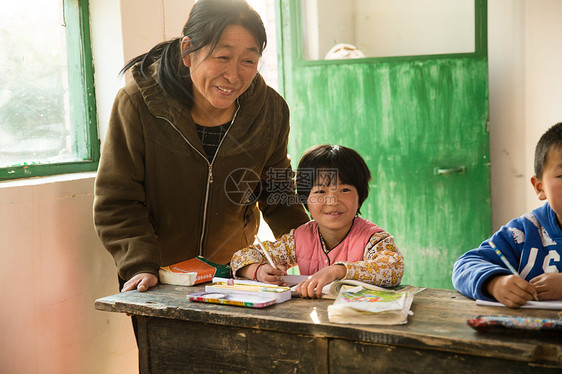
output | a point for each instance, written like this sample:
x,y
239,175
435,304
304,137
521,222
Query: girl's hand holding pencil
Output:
x,y
270,272
265,252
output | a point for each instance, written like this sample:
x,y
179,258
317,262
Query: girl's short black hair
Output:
x,y
552,138
206,22
325,164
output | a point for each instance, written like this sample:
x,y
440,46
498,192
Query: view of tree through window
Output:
x,y
38,124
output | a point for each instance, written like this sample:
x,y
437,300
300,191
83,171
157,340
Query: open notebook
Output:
x,y
546,304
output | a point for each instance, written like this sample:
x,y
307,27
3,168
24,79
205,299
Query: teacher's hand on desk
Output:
x,y
141,281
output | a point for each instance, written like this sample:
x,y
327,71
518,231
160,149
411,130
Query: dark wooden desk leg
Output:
x,y
144,364
322,355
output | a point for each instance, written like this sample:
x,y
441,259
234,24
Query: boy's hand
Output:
x,y
548,286
511,290
312,287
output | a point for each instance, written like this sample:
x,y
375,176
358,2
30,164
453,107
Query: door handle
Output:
x,y
449,171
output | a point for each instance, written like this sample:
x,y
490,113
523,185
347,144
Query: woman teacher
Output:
x,y
196,147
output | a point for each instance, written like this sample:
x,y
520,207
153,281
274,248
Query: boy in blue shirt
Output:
x,y
532,243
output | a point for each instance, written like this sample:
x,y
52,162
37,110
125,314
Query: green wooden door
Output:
x,y
420,122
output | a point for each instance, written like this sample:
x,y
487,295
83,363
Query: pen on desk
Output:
x,y
265,253
502,257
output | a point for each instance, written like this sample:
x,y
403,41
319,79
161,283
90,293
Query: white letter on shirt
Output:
x,y
552,255
530,263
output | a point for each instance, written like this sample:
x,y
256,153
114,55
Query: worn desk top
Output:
x,y
439,322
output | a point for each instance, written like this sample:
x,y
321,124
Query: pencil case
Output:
x,y
492,322
226,299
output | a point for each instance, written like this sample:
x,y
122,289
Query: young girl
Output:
x,y
332,182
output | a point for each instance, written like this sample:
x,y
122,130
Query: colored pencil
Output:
x,y
502,257
265,253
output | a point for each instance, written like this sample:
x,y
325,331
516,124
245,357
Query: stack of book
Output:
x,y
194,271
362,303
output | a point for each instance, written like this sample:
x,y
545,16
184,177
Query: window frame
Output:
x,y
81,94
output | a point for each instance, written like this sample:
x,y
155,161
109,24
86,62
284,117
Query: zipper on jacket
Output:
x,y
210,180
210,175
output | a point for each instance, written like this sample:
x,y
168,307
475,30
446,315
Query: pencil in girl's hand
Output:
x,y
265,252
502,257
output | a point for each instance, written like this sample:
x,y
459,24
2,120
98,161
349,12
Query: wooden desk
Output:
x,y
179,336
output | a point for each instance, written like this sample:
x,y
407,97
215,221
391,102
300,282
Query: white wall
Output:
x,y
55,267
525,96
148,22
108,55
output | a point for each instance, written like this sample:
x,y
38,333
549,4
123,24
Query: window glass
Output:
x,y
384,28
42,105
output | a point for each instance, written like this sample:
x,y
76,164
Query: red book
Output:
x,y
187,273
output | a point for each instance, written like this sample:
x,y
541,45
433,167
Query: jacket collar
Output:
x,y
245,129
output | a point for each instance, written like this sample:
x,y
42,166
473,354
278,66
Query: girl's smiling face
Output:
x,y
333,207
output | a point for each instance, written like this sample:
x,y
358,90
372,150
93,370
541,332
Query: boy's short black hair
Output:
x,y
332,162
552,138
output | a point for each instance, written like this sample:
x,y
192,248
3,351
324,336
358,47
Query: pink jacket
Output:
x,y
311,256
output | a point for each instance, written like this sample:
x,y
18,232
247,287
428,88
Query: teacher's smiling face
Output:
x,y
220,77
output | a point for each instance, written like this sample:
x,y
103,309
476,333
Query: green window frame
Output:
x,y
82,104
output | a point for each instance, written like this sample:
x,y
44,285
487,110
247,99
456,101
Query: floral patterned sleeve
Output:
x,y
383,264
282,252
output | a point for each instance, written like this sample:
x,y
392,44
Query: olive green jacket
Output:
x,y
159,201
